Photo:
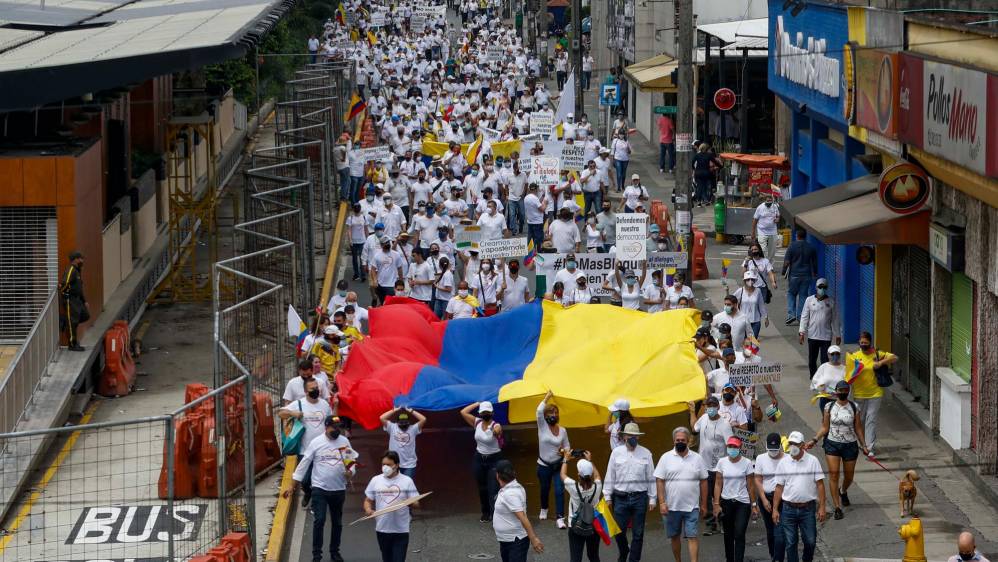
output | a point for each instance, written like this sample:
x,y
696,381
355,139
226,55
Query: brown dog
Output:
x,y
907,492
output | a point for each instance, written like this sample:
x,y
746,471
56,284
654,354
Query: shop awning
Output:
x,y
653,75
851,213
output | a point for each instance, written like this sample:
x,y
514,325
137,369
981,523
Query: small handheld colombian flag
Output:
x,y
603,523
357,105
372,39
296,327
531,253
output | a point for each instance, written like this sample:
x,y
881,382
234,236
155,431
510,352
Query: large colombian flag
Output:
x,y
588,355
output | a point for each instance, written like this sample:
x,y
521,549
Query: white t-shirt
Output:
x,y
767,218
631,297
740,328
633,194
766,466
295,388
532,209
403,443
734,413
798,478
386,265
446,280
356,225
564,235
673,295
827,375
592,495
567,278
458,308
492,226
487,285
420,272
313,416
714,435
619,149
511,499
653,293
717,378
386,492
515,291
682,476
547,442
734,474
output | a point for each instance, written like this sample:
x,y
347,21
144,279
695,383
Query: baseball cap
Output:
x,y
485,406
749,275
842,385
632,429
331,421
620,404
379,226
822,283
654,228
724,328
773,441
330,330
834,349
795,437
712,401
734,441
584,467
635,177
702,333
727,351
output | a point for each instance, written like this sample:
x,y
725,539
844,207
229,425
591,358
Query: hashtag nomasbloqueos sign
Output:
x,y
747,374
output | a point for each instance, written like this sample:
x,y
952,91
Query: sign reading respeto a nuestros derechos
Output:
x,y
573,157
748,374
632,231
503,248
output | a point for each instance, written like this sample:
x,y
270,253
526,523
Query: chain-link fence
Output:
x,y
161,488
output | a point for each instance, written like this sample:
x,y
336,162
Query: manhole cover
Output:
x,y
481,556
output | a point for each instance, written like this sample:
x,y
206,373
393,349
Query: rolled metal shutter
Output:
x,y
29,267
833,272
867,297
962,322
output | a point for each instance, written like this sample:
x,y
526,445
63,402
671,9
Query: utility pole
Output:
x,y
685,115
577,56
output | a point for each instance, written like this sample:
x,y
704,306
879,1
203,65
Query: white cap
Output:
x,y
821,281
749,275
834,349
620,404
330,330
635,177
485,406
795,437
584,467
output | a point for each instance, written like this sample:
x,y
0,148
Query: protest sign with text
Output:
x,y
632,231
503,248
544,170
747,374
542,123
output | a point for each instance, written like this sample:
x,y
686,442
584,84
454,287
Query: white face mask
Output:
x,y
387,471
462,293
773,454
794,450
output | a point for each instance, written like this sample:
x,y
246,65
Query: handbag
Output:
x,y
883,374
291,441
767,295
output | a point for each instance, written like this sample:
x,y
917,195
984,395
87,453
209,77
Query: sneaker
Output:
x,y
845,499
838,513
561,523
661,170
484,519
543,515
790,320
336,557
77,348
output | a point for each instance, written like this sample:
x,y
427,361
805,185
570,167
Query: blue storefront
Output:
x,y
806,72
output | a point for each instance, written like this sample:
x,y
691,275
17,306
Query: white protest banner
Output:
x,y
378,19
503,248
573,157
542,123
544,170
749,439
747,374
376,153
467,237
598,266
493,53
430,10
632,231
667,260
417,22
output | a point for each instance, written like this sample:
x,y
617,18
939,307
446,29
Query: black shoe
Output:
x,y
845,499
336,557
838,513
77,348
356,278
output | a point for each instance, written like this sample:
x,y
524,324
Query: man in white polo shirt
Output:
x,y
509,519
681,481
800,483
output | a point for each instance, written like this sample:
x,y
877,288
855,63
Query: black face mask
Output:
x,y
314,393
965,556
486,417
680,447
514,269
403,426
728,397
632,442
757,254
333,434
864,346
551,420
842,395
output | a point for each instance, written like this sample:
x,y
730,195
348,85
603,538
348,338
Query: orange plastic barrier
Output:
x,y
207,479
699,255
266,451
240,542
183,479
660,214
226,553
194,391
205,558
118,376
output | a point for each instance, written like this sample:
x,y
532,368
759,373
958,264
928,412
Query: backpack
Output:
x,y
582,519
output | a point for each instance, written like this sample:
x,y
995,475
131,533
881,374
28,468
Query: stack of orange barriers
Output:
x,y
195,452
234,547
118,377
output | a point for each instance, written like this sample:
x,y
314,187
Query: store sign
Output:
x,y
724,99
950,111
946,247
803,61
877,91
904,188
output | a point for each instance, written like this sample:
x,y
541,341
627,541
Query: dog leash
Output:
x,y
874,460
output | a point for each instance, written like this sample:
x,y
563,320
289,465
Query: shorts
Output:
x,y
846,451
682,521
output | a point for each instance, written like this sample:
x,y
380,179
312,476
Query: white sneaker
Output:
x,y
544,514
561,523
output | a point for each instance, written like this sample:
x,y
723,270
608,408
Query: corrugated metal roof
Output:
x,y
56,13
731,31
14,37
751,43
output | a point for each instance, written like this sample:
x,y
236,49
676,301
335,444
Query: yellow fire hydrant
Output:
x,y
914,542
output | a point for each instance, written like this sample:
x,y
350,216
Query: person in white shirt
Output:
x,y
386,269
392,217
738,324
385,490
492,222
552,439
426,225
516,188
714,432
765,485
587,489
579,294
534,208
733,407
800,483
570,273
681,482
459,306
307,371
752,302
718,377
514,290
399,424
634,195
488,449
764,225
513,530
356,225
421,279
335,465
620,148
819,325
594,238
630,490
485,286
734,498
967,549
677,290
564,233
443,284
312,411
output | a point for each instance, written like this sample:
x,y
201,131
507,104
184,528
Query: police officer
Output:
x,y
73,304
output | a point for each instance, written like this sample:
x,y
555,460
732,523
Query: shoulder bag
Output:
x,y
291,440
883,374
767,295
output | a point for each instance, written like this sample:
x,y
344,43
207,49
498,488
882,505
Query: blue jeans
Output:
x,y
410,472
393,546
756,326
670,150
630,507
802,520
587,76
798,289
774,534
439,308
594,200
515,216
620,166
355,184
323,500
515,550
546,474
359,271
344,184
535,232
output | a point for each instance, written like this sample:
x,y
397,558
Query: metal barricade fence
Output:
x,y
26,371
159,488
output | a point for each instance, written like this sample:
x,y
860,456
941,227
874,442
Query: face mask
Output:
x,y
820,291
769,203
370,198
732,453
966,556
630,282
749,283
728,308
774,453
632,442
757,254
842,395
834,359
314,393
711,412
462,293
429,211
794,450
486,416
387,471
486,267
333,434
661,245
385,247
681,447
728,397
474,172
434,252
551,420
403,426
864,346
570,264
747,352
514,268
